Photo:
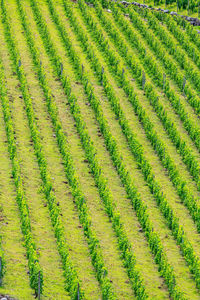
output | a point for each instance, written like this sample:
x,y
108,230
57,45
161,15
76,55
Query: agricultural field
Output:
x,y
99,152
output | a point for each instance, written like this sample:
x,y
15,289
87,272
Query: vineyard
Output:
x,y
100,152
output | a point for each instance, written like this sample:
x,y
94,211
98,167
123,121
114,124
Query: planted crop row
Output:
x,y
80,200
175,50
33,260
188,124
113,75
135,146
188,38
111,145
167,162
115,155
70,273
178,33
91,96
102,186
151,94
170,66
124,244
164,82
191,31
153,68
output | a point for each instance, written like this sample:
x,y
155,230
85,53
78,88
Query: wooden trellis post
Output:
x,y
102,71
0,270
61,68
143,80
78,292
184,83
39,285
164,80
82,70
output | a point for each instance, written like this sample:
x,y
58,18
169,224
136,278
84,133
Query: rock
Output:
x,y
125,3
5,297
109,11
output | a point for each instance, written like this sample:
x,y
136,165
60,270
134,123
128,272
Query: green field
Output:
x,y
99,152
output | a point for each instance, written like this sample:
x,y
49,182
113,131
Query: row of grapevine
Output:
x,y
169,65
188,124
192,51
79,71
155,70
70,273
122,237
192,73
162,81
111,145
174,100
139,156
190,30
151,94
101,182
31,252
168,163
118,160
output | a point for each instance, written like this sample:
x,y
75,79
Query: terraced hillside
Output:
x,y
99,152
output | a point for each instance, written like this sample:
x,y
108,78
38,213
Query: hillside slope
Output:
x,y
100,142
